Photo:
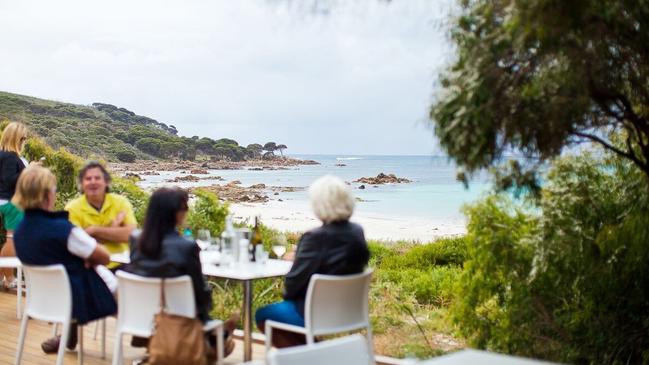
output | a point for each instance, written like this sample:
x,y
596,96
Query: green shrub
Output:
x,y
432,286
139,198
569,282
126,156
207,212
446,251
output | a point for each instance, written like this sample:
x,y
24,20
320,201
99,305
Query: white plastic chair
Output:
x,y
139,301
49,298
350,350
334,304
14,263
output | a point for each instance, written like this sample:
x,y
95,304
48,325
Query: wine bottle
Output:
x,y
255,239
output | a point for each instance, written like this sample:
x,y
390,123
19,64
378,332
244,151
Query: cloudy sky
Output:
x,y
331,77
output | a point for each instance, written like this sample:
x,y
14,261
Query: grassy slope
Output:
x,y
83,130
411,291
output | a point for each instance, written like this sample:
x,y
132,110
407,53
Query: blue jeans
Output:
x,y
285,312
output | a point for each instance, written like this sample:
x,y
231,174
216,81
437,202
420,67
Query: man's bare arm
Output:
x,y
111,234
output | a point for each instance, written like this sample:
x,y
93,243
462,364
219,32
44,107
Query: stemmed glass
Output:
x,y
279,247
203,239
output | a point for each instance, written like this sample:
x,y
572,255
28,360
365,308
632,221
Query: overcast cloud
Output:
x,y
334,77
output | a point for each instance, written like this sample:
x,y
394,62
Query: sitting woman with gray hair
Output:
x,y
338,247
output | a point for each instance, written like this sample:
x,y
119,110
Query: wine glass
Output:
x,y
203,239
279,247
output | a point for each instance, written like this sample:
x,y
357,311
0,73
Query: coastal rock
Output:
x,y
279,163
340,165
258,186
199,172
234,182
382,179
132,176
188,178
362,187
238,194
286,189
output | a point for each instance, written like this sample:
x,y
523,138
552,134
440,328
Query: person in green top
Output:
x,y
105,216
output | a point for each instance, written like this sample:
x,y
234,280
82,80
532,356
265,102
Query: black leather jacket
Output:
x,y
10,168
178,257
337,248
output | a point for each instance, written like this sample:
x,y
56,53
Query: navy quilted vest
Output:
x,y
41,239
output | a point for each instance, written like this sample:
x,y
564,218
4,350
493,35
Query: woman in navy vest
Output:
x,y
45,237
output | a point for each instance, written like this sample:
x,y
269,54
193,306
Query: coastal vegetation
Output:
x,y
105,131
557,270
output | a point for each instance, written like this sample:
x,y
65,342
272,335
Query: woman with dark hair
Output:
x,y
160,251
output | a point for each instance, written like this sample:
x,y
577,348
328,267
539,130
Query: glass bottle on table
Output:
x,y
229,248
255,239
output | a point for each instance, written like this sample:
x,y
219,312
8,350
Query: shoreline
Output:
x,y
287,215
299,218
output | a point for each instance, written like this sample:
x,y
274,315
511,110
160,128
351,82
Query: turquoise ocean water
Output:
x,y
434,192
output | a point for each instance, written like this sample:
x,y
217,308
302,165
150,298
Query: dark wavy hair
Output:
x,y
164,205
94,165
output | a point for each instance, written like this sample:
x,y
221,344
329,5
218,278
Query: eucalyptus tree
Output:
x,y
535,76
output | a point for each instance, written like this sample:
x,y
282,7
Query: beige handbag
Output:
x,y
176,339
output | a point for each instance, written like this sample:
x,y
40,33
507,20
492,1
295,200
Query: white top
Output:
x,y
9,262
237,271
249,270
480,357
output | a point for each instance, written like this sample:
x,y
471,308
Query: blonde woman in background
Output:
x,y
11,165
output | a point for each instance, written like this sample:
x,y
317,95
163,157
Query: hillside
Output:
x,y
107,131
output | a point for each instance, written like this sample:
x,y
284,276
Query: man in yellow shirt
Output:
x,y
105,216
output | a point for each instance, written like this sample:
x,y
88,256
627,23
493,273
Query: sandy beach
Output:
x,y
267,192
299,218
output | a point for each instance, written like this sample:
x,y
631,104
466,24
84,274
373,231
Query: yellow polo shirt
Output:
x,y
83,215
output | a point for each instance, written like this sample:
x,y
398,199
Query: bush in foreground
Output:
x,y
567,280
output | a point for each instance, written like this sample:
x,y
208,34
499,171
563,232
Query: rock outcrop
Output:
x,y
382,179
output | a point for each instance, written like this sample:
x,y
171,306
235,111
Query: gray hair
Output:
x,y
331,199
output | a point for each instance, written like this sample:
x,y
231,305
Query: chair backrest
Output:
x,y
350,350
337,303
139,300
49,296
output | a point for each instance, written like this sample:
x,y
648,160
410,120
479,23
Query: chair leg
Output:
x,y
269,337
80,337
19,292
55,328
94,335
103,338
117,353
65,333
370,344
220,344
21,339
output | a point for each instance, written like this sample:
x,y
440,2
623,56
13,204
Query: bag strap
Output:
x,y
163,303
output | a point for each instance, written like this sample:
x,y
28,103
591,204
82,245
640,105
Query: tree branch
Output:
x,y
630,154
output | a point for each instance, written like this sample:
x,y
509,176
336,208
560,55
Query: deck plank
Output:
x,y
37,331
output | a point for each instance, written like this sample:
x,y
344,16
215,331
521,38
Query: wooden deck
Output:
x,y
38,331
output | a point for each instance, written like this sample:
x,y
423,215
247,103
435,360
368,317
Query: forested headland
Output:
x,y
112,133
